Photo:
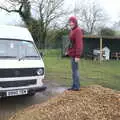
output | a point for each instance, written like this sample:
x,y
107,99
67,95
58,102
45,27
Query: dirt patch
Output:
x,y
90,103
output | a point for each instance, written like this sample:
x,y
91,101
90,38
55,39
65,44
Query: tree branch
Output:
x,y
9,11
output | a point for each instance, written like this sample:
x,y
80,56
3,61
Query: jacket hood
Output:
x,y
74,20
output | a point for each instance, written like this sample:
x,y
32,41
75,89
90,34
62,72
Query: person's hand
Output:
x,y
66,53
77,59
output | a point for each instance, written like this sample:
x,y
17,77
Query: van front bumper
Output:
x,y
33,90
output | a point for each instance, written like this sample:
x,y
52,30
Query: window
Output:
x,y
18,49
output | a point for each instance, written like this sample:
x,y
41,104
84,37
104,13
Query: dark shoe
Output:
x,y
75,89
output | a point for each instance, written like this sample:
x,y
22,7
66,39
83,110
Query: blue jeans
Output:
x,y
75,74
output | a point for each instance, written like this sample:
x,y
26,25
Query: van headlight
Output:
x,y
40,71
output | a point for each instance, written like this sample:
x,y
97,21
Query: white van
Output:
x,y
21,66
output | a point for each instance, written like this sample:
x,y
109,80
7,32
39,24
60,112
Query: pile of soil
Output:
x,y
90,103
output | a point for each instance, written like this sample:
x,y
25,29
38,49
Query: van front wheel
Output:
x,y
31,94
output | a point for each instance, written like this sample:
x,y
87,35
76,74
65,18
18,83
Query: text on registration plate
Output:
x,y
17,92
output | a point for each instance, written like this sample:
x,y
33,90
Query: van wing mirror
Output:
x,y
41,54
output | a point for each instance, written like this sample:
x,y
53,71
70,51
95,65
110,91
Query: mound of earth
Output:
x,y
90,103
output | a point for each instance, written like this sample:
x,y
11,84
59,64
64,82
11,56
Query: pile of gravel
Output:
x,y
90,103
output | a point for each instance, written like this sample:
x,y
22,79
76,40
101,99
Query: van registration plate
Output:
x,y
17,92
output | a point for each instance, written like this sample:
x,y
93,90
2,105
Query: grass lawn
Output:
x,y
106,73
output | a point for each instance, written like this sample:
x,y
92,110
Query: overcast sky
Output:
x,y
112,8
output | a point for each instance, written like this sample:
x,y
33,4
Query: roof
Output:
x,y
104,37
15,32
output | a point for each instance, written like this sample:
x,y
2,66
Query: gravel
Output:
x,y
90,103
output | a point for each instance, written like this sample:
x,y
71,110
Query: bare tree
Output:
x,y
48,11
90,15
22,7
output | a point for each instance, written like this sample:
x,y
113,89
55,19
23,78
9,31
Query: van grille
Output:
x,y
6,84
19,72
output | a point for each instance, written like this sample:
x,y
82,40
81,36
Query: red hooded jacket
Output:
x,y
76,40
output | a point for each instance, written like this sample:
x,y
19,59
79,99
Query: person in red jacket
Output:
x,y
75,51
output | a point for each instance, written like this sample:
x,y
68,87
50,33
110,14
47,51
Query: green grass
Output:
x,y
106,73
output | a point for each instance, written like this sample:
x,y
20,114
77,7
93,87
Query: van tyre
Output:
x,y
31,94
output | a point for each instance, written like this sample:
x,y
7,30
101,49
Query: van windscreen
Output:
x,y
18,49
